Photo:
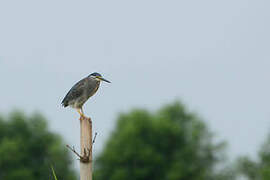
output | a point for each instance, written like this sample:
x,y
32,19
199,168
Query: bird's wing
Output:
x,y
75,92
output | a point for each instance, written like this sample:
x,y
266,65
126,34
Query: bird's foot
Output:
x,y
83,117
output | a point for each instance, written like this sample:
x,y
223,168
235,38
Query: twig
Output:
x,y
73,150
84,158
94,138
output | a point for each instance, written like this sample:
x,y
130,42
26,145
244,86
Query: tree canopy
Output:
x,y
170,144
28,149
256,169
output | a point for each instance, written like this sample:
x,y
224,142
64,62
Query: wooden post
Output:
x,y
85,156
86,148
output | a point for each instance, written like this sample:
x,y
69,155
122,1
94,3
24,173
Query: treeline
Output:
x,y
169,144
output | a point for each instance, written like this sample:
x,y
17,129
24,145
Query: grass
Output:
x,y
54,175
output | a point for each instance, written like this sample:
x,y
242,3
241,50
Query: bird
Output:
x,y
82,91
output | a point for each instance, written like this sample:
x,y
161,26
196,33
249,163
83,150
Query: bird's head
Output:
x,y
96,76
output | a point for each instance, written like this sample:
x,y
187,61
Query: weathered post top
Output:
x,y
86,148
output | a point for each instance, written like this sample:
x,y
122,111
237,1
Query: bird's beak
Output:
x,y
102,79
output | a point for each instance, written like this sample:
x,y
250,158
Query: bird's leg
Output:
x,y
81,113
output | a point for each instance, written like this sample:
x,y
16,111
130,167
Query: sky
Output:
x,y
212,55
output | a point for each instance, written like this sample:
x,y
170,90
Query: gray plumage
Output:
x,y
82,91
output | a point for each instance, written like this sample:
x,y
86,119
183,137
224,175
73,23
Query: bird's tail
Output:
x,y
64,103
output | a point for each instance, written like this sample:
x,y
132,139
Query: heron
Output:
x,y
82,91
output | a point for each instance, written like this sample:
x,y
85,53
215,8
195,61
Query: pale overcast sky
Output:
x,y
214,55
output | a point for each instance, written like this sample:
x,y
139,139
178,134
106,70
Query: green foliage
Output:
x,y
248,168
171,144
256,170
27,149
